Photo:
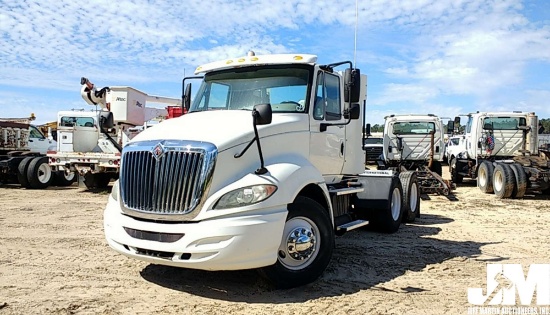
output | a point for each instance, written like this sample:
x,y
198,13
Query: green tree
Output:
x,y
545,124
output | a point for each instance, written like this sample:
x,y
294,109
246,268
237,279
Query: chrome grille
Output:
x,y
167,179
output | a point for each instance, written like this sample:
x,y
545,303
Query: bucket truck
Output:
x,y
90,142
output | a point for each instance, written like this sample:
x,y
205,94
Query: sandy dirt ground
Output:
x,y
54,260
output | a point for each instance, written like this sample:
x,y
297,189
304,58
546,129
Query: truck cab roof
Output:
x,y
260,60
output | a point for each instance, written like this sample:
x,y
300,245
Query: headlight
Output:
x,y
114,191
245,196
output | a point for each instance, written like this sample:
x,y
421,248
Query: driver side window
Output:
x,y
327,100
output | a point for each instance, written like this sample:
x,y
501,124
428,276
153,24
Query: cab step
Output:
x,y
351,225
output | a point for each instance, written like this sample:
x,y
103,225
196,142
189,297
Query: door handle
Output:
x,y
342,148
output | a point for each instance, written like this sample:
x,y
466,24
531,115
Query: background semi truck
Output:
x,y
263,172
502,154
23,155
90,142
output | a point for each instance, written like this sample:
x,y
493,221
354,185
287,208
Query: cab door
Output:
x,y
327,141
38,142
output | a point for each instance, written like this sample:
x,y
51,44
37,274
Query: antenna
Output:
x,y
356,23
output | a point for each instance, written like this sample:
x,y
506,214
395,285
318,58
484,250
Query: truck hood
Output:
x,y
223,128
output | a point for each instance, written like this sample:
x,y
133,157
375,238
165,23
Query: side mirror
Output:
x,y
399,144
106,120
187,98
457,120
262,114
367,130
354,111
352,85
450,126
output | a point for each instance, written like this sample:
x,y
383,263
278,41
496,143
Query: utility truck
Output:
x,y
414,146
90,142
502,154
23,155
263,172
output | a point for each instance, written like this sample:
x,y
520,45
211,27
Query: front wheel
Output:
x,y
306,246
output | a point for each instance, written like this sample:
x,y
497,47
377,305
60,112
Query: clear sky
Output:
x,y
445,57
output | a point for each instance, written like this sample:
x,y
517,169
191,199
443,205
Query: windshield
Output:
x,y
454,141
373,141
403,128
503,123
284,87
68,121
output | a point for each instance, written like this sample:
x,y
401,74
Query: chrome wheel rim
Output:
x,y
300,244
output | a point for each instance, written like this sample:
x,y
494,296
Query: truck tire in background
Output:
x,y
63,179
503,181
308,225
521,181
22,172
437,168
411,195
96,181
485,177
455,177
388,219
39,173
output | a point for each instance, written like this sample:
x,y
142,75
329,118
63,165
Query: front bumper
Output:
x,y
231,243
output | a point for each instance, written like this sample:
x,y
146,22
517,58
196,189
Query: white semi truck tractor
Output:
x,y
502,154
263,172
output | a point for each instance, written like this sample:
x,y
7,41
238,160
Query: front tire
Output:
x,y
306,246
485,177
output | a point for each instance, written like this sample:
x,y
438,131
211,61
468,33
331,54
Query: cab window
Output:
x,y
327,100
35,133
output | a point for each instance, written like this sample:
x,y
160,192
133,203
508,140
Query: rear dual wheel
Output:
x,y
34,173
503,181
388,218
411,195
485,177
